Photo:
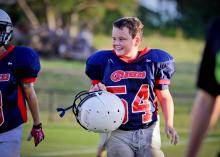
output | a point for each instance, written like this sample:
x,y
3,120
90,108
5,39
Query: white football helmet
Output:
x,y
98,111
6,28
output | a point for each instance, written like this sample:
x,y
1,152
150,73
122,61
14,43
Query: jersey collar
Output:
x,y
140,53
8,50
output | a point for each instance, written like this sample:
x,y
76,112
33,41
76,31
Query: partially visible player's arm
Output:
x,y
166,102
200,118
32,101
215,112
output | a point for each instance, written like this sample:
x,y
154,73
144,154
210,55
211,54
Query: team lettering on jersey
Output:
x,y
118,75
4,77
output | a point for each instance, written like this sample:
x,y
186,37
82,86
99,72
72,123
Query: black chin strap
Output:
x,y
79,99
74,106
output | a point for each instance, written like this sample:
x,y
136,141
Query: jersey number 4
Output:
x,y
139,104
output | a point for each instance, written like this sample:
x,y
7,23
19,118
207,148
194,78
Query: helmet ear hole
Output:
x,y
99,111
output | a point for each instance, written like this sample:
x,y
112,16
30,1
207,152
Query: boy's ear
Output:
x,y
137,40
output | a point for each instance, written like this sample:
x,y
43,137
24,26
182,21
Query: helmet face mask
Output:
x,y
6,28
98,111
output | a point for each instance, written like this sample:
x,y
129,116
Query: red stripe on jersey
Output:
x,y
9,49
28,80
116,89
140,53
94,82
1,110
21,105
156,106
162,81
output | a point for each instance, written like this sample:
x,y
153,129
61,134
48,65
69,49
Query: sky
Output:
x,y
166,8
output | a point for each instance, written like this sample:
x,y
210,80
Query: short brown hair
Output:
x,y
133,24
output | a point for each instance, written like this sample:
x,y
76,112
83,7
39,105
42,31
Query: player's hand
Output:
x,y
172,134
37,133
100,152
98,87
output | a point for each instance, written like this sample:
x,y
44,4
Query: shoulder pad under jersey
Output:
x,y
95,64
99,57
157,55
26,62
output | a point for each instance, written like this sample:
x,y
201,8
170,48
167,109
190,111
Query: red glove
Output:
x,y
37,133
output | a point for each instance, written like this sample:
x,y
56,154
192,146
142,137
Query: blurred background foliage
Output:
x,y
65,28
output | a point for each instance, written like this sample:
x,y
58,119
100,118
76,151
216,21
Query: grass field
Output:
x,y
60,80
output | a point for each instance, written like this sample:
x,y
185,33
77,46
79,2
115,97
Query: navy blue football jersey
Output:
x,y
134,82
17,65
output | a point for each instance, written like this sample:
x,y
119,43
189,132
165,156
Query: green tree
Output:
x,y
196,15
72,13
50,24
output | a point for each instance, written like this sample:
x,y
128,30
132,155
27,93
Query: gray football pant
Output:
x,y
10,142
135,143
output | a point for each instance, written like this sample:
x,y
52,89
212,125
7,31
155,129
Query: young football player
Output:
x,y
19,67
139,78
205,108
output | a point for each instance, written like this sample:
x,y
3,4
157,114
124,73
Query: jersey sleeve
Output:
x,y
164,70
27,64
94,67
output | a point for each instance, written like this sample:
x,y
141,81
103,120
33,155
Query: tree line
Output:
x,y
55,25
